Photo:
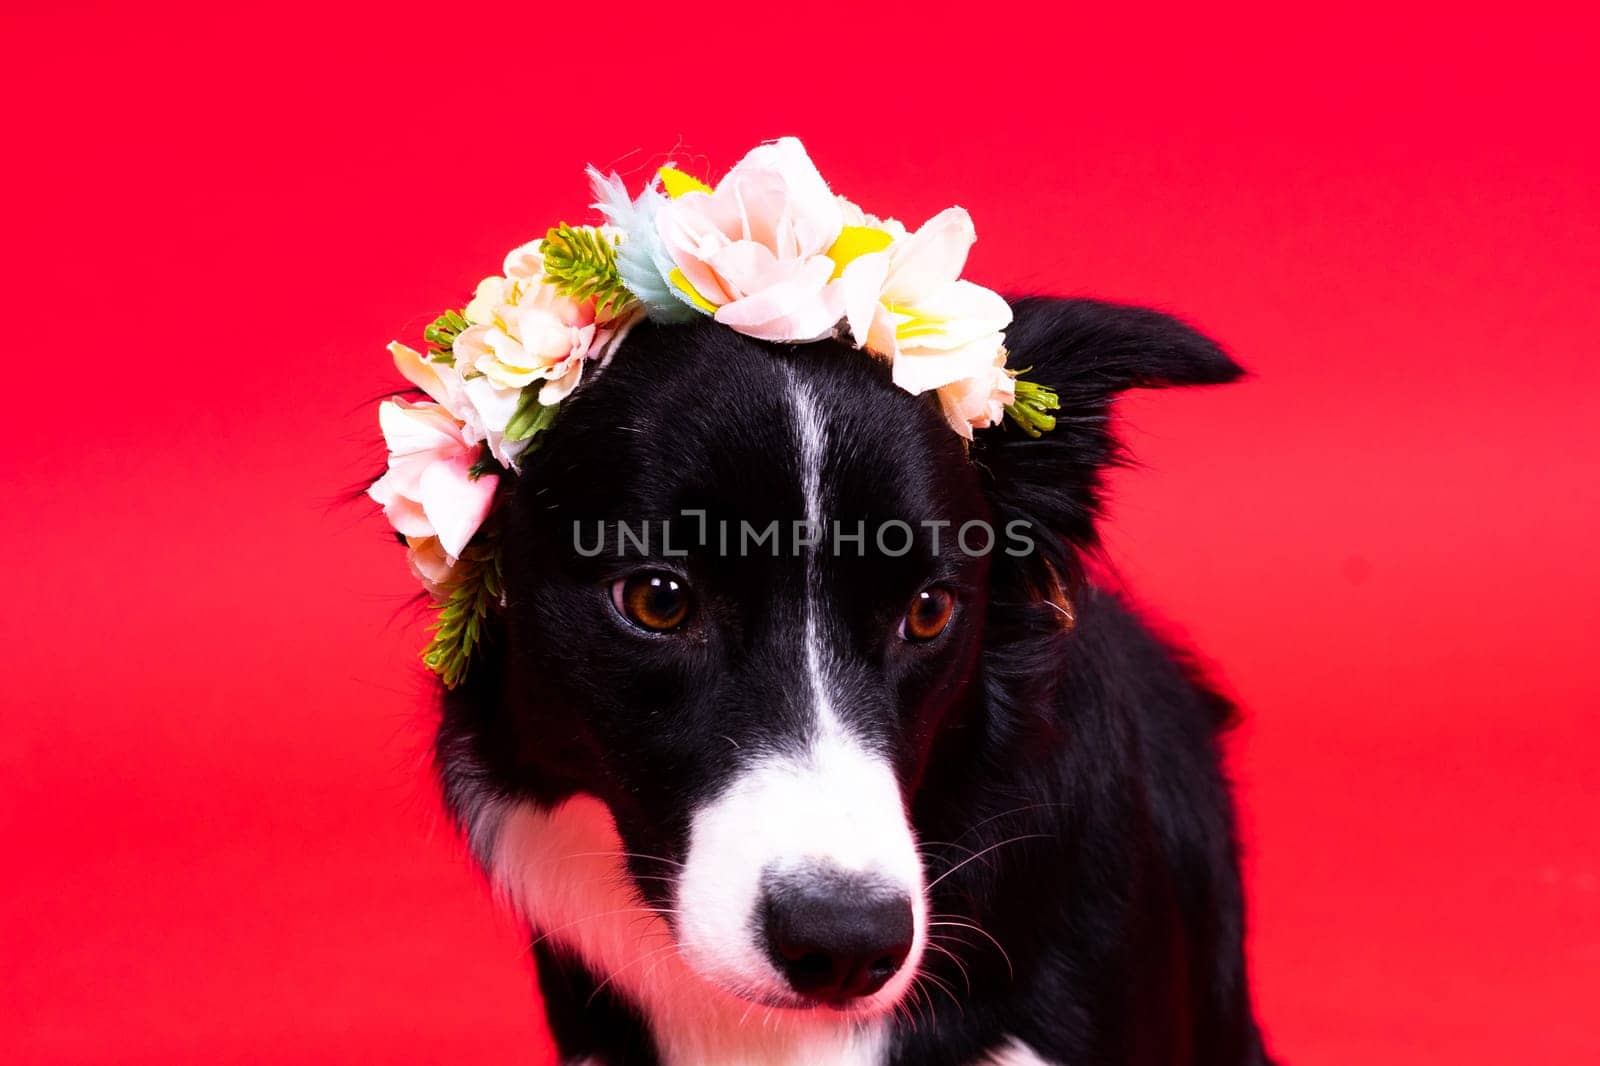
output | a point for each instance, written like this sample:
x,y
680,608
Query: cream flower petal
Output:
x,y
471,344
746,267
880,334
979,401
410,428
813,218
546,338
525,262
504,376
495,405
850,212
854,216
404,513
559,387
456,504
930,258
803,309
431,565
691,240
953,317
610,338
861,281
506,363
955,416
919,371
491,294
417,370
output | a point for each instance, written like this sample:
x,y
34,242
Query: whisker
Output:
x,y
1007,814
943,844
925,976
547,934
965,976
980,930
619,855
625,966
951,938
980,854
923,998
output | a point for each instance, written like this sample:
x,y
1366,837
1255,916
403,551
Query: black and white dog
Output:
x,y
803,738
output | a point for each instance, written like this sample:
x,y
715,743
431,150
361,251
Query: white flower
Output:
x,y
980,401
908,303
432,566
521,330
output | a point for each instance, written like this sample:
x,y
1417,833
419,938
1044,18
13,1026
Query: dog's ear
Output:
x,y
1087,351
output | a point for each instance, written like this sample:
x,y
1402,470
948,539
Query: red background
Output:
x,y
219,839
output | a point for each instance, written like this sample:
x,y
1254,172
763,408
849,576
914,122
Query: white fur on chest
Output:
x,y
563,872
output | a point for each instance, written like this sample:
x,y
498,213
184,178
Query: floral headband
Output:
x,y
769,252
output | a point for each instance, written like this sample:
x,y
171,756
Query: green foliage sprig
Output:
x,y
441,334
1031,410
581,263
458,629
530,417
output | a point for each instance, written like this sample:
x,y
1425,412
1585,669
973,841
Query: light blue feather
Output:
x,y
642,260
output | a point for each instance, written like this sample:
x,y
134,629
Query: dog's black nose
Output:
x,y
836,938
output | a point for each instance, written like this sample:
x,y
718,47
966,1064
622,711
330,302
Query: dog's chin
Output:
x,y
771,993
785,1000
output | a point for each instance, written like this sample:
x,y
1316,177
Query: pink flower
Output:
x,y
753,252
429,490
483,407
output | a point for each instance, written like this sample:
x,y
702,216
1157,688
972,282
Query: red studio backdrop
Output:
x,y
219,836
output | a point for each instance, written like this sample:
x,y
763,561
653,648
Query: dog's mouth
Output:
x,y
852,986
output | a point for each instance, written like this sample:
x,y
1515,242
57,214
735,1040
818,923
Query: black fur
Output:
x,y
1064,778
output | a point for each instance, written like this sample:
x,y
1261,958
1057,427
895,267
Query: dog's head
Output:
x,y
751,591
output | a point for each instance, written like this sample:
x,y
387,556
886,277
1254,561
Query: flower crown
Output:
x,y
770,252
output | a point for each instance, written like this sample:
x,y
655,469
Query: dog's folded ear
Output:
x,y
1087,351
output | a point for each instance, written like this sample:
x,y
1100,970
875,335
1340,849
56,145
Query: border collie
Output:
x,y
803,736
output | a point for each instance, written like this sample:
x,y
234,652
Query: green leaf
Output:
x,y
458,629
1031,410
441,333
486,464
530,417
581,263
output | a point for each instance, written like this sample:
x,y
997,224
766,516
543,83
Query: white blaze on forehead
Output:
x,y
812,437
831,802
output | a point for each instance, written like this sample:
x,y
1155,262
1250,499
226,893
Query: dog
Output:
x,y
803,735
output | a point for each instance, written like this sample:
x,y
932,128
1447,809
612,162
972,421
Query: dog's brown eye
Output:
x,y
657,602
928,614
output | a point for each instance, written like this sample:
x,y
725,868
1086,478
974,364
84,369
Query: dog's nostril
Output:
x,y
836,939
